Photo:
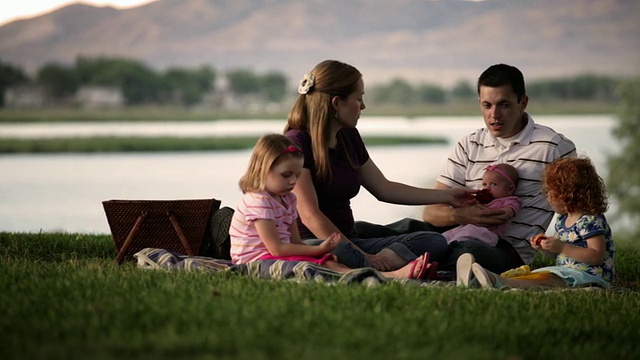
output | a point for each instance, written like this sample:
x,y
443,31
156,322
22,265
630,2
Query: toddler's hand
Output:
x,y
553,245
550,244
330,243
536,241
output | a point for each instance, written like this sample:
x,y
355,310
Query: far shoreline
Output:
x,y
129,144
164,113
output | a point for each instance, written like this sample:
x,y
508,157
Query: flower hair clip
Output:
x,y
306,83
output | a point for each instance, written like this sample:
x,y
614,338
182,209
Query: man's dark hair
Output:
x,y
502,74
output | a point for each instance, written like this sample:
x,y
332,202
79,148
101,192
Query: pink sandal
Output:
x,y
424,266
433,271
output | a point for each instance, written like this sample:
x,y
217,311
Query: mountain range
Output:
x,y
439,41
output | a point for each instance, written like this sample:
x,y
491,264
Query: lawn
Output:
x,y
64,296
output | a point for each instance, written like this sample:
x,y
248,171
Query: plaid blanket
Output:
x,y
300,271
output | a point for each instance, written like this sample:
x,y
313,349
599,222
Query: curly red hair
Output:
x,y
576,184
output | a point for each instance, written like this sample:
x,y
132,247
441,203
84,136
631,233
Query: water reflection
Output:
x,y
64,192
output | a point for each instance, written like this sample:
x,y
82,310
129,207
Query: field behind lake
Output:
x,y
173,113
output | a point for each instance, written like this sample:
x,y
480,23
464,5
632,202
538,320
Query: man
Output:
x,y
510,136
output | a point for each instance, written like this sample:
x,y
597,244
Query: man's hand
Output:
x,y
481,216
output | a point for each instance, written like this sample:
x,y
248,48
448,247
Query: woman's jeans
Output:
x,y
497,259
407,246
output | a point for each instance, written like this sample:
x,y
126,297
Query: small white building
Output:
x,y
99,97
24,97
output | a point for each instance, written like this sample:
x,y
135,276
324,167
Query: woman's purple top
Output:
x,y
334,197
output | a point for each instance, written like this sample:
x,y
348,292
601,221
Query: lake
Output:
x,y
64,192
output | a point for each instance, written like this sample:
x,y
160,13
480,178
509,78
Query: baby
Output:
x,y
499,184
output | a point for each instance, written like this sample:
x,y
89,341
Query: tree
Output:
x,y
139,83
189,85
594,87
59,81
9,76
398,91
580,87
624,177
271,87
431,94
463,90
274,86
243,82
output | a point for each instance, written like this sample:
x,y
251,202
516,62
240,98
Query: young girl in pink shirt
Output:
x,y
264,224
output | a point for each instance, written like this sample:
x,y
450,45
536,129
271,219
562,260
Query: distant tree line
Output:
x,y
401,92
140,84
583,87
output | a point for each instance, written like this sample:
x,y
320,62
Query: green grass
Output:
x,y
148,144
172,113
63,296
127,114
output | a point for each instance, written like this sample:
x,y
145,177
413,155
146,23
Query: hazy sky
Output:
x,y
18,9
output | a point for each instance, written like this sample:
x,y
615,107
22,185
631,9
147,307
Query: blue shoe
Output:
x,y
486,279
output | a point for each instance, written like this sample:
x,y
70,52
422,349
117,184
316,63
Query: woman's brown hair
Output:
x,y
313,112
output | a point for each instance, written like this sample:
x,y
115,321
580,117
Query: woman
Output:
x,y
336,164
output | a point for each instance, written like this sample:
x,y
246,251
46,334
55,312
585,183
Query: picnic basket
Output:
x,y
175,225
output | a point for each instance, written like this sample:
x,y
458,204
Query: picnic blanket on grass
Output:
x,y
302,271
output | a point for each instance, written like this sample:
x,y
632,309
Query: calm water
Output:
x,y
65,192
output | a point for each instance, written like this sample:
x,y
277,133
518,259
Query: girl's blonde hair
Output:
x,y
268,151
313,111
575,183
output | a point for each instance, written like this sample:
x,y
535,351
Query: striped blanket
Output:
x,y
301,271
